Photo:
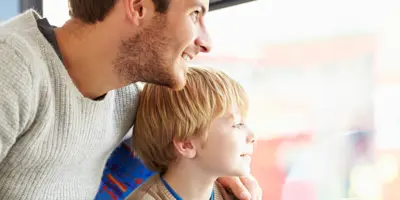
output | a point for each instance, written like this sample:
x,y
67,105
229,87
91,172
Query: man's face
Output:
x,y
160,51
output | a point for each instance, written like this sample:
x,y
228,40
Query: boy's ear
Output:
x,y
186,148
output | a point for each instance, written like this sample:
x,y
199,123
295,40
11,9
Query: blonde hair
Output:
x,y
164,114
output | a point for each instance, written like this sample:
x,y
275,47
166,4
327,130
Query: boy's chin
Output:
x,y
243,172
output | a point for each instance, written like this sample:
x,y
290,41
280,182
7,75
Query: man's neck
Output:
x,y
189,182
88,55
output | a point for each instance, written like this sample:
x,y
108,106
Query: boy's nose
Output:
x,y
251,138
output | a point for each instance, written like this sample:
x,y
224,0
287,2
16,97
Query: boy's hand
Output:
x,y
245,188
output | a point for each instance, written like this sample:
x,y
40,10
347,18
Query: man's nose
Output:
x,y
204,42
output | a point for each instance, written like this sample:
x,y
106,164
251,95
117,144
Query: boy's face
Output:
x,y
228,148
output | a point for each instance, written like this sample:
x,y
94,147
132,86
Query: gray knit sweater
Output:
x,y
54,142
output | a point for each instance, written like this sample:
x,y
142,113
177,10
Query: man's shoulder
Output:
x,y
19,56
127,98
12,42
22,47
18,38
15,54
22,21
21,34
132,90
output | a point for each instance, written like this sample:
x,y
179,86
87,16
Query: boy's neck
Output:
x,y
189,182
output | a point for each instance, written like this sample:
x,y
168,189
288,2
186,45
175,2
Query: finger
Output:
x,y
236,186
252,186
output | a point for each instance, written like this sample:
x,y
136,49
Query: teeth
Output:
x,y
186,57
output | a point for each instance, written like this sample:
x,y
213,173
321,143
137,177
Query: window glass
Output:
x,y
8,9
315,72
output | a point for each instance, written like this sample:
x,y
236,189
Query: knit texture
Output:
x,y
54,142
154,189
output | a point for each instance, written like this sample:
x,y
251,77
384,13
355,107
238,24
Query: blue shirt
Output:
x,y
175,195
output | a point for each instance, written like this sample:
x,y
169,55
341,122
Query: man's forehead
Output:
x,y
204,4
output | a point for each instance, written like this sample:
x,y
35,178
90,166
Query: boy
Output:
x,y
191,137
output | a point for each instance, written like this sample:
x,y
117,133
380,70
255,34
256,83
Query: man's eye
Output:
x,y
195,15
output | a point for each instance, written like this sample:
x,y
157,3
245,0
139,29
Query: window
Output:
x,y
314,71
9,9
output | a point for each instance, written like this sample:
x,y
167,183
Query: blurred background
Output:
x,y
323,79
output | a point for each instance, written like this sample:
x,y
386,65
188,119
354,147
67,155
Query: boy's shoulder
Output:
x,y
149,190
141,195
153,189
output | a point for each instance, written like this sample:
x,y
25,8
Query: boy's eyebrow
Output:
x,y
228,116
234,117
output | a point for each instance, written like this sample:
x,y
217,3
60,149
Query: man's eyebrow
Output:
x,y
204,10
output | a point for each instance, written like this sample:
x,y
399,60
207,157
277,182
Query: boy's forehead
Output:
x,y
233,114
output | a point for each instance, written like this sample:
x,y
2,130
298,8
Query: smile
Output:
x,y
245,155
186,57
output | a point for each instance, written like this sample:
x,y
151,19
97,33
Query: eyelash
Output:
x,y
239,125
195,15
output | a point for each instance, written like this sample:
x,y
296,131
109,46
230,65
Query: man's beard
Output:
x,y
146,56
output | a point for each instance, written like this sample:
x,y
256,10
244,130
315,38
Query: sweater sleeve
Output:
x,y
15,93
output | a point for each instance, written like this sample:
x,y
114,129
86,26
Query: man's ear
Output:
x,y
135,11
186,148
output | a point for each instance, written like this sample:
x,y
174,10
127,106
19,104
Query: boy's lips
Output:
x,y
245,154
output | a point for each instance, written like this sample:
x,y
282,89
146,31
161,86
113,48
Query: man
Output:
x,y
69,94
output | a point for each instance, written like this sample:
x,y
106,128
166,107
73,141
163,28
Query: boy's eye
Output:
x,y
239,125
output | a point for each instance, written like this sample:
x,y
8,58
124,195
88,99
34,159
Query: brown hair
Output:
x,y
92,11
164,114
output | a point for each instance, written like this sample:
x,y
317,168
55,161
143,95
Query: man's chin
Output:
x,y
175,83
178,86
